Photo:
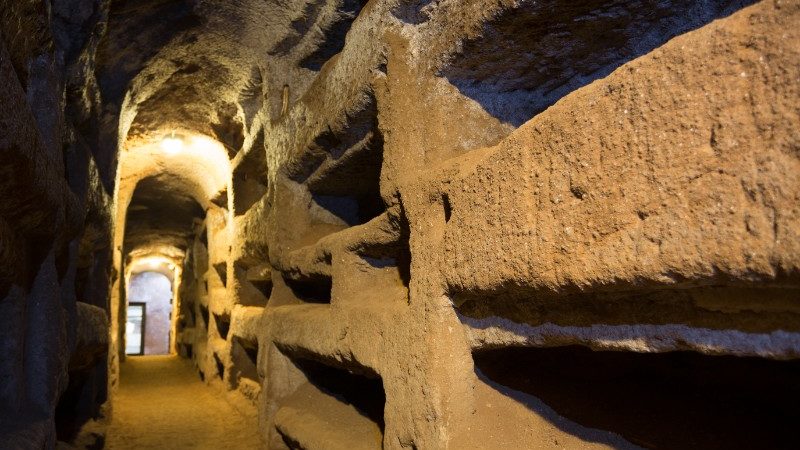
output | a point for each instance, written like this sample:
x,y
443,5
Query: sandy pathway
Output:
x,y
162,404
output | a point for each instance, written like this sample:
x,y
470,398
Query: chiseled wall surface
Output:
x,y
511,225
55,227
412,224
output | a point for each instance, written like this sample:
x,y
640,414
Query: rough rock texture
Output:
x,y
419,224
465,179
55,226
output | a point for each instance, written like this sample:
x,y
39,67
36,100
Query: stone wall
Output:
x,y
55,223
510,225
413,224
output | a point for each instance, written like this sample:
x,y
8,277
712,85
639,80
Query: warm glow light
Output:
x,y
172,145
151,263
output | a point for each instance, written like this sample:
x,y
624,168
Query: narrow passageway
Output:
x,y
163,404
399,224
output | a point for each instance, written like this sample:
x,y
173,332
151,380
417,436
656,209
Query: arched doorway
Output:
x,y
150,305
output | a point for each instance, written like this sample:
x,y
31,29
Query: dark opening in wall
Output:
x,y
254,283
261,279
251,97
220,367
223,322
221,199
204,314
192,315
311,290
222,270
203,235
529,57
670,400
394,252
351,210
344,405
229,131
624,306
299,28
244,354
341,168
358,387
448,209
250,177
186,350
81,401
334,34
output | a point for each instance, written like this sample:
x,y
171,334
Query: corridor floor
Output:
x,y
162,404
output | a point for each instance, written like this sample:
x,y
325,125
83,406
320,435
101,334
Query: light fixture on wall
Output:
x,y
172,145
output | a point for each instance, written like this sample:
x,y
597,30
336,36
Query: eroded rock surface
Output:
x,y
413,224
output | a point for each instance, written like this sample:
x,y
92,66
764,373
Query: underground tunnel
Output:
x,y
399,224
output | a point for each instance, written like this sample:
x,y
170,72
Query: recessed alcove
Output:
x,y
666,400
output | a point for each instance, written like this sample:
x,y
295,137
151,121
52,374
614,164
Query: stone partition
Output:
x,y
412,224
468,199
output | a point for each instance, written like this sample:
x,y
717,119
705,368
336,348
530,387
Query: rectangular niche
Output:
x,y
223,324
341,168
311,289
676,400
250,177
342,406
254,283
244,356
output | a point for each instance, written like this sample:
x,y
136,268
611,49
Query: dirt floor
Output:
x,y
162,403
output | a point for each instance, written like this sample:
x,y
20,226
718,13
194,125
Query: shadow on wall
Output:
x,y
149,335
677,400
530,57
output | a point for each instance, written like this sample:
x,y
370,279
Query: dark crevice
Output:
x,y
244,354
365,393
186,351
221,199
82,399
667,401
299,28
448,209
192,315
263,286
250,177
351,210
626,306
222,270
203,236
251,96
220,367
341,168
204,314
529,57
223,322
254,282
334,34
311,290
